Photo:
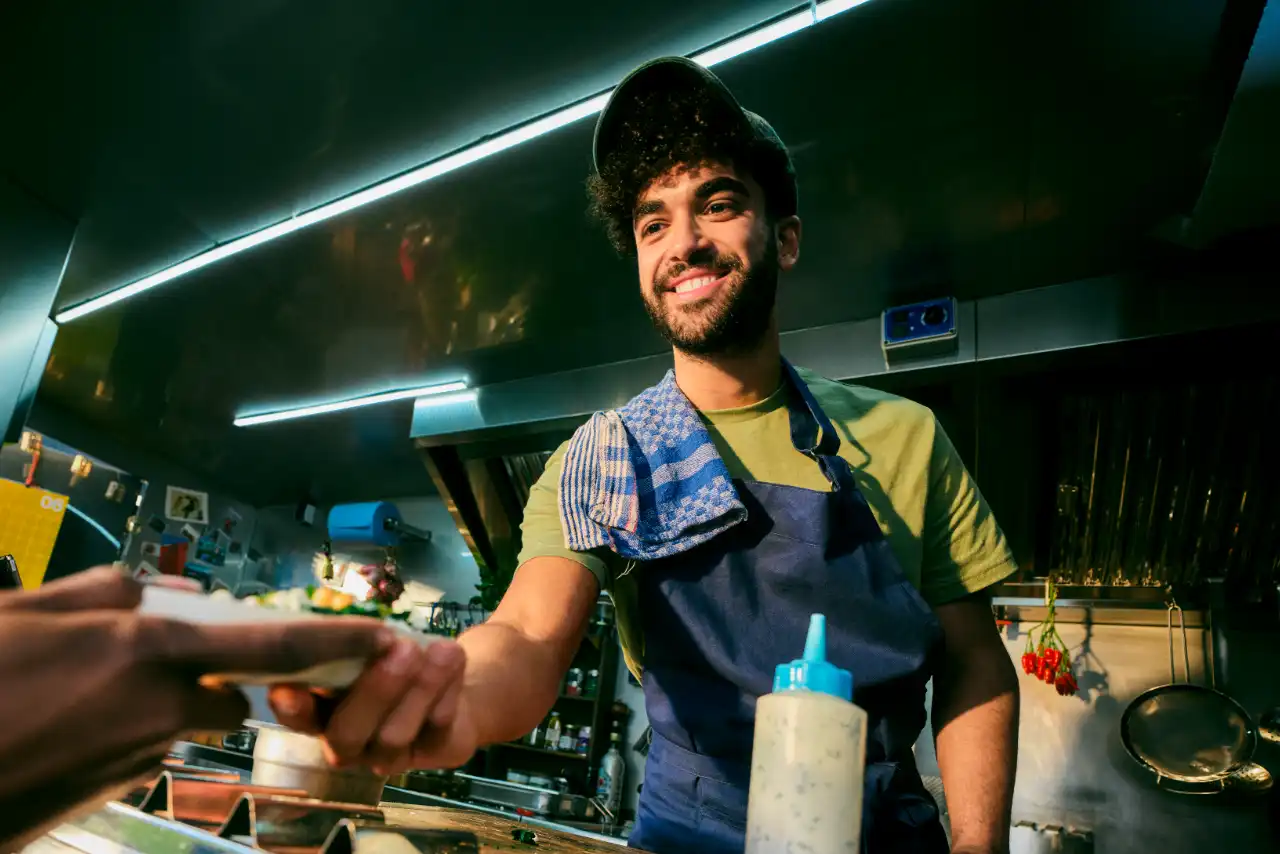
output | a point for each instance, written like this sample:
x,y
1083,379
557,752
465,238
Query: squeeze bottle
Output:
x,y
808,758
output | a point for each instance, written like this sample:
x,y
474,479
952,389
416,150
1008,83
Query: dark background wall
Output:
x,y
34,242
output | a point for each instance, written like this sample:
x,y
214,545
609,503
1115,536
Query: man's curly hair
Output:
x,y
667,131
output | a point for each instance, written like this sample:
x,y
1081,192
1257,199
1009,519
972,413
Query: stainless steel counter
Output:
x,y
198,808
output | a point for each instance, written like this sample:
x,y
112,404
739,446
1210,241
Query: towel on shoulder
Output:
x,y
645,480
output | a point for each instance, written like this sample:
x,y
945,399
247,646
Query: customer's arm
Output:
x,y
975,721
94,692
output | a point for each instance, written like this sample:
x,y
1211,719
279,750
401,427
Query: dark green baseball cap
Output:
x,y
680,74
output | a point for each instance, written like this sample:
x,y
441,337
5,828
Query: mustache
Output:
x,y
719,264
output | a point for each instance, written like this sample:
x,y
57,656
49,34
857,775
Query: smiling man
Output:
x,y
720,509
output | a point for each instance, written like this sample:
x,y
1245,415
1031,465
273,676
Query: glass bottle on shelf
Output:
x,y
554,727
609,777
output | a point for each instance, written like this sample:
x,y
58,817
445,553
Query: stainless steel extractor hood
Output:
x,y
1063,317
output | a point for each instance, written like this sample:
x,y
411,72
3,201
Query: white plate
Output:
x,y
216,610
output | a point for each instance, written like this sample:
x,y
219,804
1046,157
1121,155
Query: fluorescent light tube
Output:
x,y
464,157
470,396
756,38
835,7
348,403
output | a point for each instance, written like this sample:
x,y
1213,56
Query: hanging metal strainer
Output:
x,y
1188,733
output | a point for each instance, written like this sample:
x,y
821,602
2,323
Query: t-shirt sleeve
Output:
x,y
541,534
964,550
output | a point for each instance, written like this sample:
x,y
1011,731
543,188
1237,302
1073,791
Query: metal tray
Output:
x,y
513,795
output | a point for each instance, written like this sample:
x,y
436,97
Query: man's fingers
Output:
x,y
442,670
295,707
446,710
100,588
442,748
270,646
378,690
429,729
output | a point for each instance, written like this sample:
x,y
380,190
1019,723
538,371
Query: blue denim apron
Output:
x,y
717,620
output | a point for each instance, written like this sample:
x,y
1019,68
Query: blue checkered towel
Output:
x,y
645,480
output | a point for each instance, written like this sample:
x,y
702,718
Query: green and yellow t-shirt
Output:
x,y
927,504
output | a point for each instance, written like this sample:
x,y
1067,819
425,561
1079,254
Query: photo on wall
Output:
x,y
186,505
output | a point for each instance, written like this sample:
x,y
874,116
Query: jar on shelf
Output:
x,y
573,682
583,747
568,739
591,684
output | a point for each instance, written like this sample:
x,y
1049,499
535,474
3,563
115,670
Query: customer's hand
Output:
x,y
407,710
94,693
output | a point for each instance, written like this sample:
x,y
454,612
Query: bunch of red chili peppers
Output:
x,y
1047,658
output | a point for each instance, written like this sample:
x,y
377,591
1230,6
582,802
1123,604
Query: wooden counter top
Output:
x,y
494,832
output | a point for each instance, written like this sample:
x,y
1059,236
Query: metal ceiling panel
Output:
x,y
1052,319
927,166
1242,190
212,118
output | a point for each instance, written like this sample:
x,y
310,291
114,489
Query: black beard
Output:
x,y
738,324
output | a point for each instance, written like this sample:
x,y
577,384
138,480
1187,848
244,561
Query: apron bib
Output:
x,y
718,618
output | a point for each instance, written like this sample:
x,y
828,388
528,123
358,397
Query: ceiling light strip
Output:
x,y
95,524
348,403
501,142
781,28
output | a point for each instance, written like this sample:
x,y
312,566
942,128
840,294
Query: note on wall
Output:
x,y
29,522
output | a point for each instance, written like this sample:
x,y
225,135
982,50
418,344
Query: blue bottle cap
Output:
x,y
814,672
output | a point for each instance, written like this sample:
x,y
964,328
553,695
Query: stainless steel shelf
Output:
x,y
1023,602
1031,594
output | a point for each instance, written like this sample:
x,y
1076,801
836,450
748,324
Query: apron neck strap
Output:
x,y
811,430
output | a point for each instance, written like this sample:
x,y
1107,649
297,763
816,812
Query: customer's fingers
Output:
x,y
102,587
269,646
217,709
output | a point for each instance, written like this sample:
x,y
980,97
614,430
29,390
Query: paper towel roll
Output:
x,y
363,523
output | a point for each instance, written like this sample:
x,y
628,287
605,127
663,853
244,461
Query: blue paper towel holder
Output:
x,y
374,522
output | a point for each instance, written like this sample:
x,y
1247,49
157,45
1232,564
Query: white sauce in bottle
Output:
x,y
808,758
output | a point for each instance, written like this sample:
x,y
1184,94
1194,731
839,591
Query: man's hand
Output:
x,y
405,711
433,707
94,693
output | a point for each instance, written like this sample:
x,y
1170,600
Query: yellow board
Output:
x,y
29,522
